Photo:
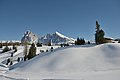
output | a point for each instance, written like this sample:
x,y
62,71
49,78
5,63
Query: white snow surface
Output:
x,y
85,62
61,35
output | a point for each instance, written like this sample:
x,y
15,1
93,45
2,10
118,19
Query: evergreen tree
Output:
x,y
77,42
80,41
25,57
51,49
12,54
67,44
49,43
88,42
99,35
11,63
46,50
118,41
39,44
6,49
8,60
32,51
18,59
14,48
61,45
1,45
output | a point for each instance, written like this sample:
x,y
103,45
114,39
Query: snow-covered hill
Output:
x,y
86,62
56,38
7,55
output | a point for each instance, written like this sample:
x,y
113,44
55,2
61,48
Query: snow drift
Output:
x,y
72,61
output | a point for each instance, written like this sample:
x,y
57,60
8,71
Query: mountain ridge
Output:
x,y
55,38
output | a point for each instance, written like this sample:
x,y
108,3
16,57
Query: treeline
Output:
x,y
9,44
6,48
80,41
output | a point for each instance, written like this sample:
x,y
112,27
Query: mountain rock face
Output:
x,y
29,37
56,38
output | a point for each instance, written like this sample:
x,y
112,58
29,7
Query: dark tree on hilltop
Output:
x,y
99,35
32,51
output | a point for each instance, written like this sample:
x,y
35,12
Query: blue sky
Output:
x,y
73,18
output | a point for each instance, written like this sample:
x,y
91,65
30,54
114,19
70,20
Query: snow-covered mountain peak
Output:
x,y
29,37
56,38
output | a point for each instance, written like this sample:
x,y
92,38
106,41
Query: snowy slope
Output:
x,y
56,38
61,35
4,56
87,62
